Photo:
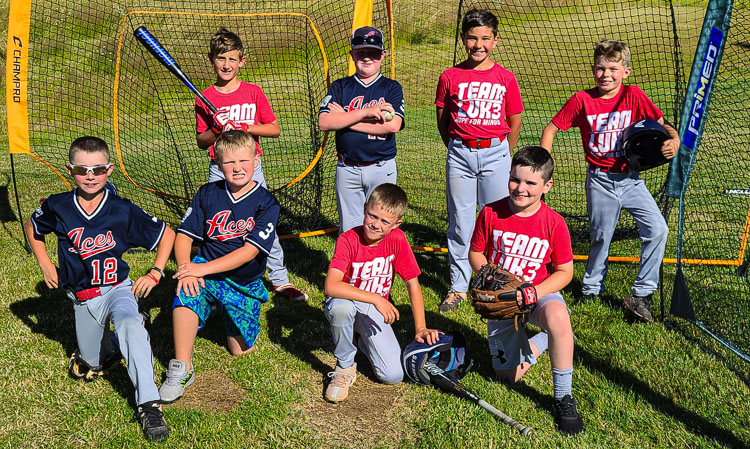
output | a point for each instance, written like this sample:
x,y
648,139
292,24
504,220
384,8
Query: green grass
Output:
x,y
663,385
637,385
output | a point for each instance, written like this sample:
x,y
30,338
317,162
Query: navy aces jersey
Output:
x,y
90,246
224,224
351,94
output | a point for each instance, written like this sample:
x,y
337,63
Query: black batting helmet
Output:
x,y
641,142
448,353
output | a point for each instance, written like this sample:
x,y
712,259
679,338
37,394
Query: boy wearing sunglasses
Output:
x,y
94,227
366,110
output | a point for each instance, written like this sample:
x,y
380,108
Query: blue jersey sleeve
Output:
x,y
263,233
144,230
43,219
334,95
192,221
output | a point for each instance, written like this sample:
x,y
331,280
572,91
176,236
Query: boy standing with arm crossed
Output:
x,y
366,110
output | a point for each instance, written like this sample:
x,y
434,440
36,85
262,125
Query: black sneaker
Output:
x,y
565,412
451,301
152,421
640,306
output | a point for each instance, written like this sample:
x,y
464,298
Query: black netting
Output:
x,y
717,200
89,75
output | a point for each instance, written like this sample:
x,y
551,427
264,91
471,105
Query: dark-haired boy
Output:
x,y
478,107
526,237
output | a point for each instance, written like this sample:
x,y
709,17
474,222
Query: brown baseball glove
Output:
x,y
495,295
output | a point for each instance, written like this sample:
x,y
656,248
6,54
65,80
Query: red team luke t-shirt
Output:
x,y
248,104
529,247
371,268
479,101
601,122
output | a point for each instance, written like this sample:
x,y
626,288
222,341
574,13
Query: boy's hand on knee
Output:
x,y
190,285
143,286
388,310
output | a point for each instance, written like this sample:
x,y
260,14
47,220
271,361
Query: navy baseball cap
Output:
x,y
367,37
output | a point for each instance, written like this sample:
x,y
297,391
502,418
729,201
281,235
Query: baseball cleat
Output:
x,y
152,421
565,412
452,300
639,306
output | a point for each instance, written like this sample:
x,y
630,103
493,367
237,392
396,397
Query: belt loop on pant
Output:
x,y
607,169
481,143
356,163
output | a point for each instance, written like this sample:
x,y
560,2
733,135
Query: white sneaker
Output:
x,y
341,380
178,377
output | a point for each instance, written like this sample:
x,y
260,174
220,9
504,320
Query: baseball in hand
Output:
x,y
388,115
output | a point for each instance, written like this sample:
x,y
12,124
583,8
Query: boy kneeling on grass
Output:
x,y
235,221
357,289
526,237
94,228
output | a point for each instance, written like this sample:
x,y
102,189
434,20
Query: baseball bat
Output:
x,y
162,55
439,378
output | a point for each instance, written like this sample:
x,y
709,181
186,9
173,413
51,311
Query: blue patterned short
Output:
x,y
240,305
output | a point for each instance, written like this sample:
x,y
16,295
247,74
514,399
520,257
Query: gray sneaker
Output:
x,y
178,377
640,306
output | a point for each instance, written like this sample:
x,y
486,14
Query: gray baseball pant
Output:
x,y
607,194
118,305
353,186
376,338
473,177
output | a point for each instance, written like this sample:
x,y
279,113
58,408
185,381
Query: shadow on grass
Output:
x,y
8,218
302,330
307,263
51,315
697,424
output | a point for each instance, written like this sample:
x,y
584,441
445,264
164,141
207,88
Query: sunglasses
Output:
x,y
369,40
83,170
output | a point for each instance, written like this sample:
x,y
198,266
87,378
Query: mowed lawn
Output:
x,y
637,385
659,385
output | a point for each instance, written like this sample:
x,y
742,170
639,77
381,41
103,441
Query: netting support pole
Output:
x,y
18,205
